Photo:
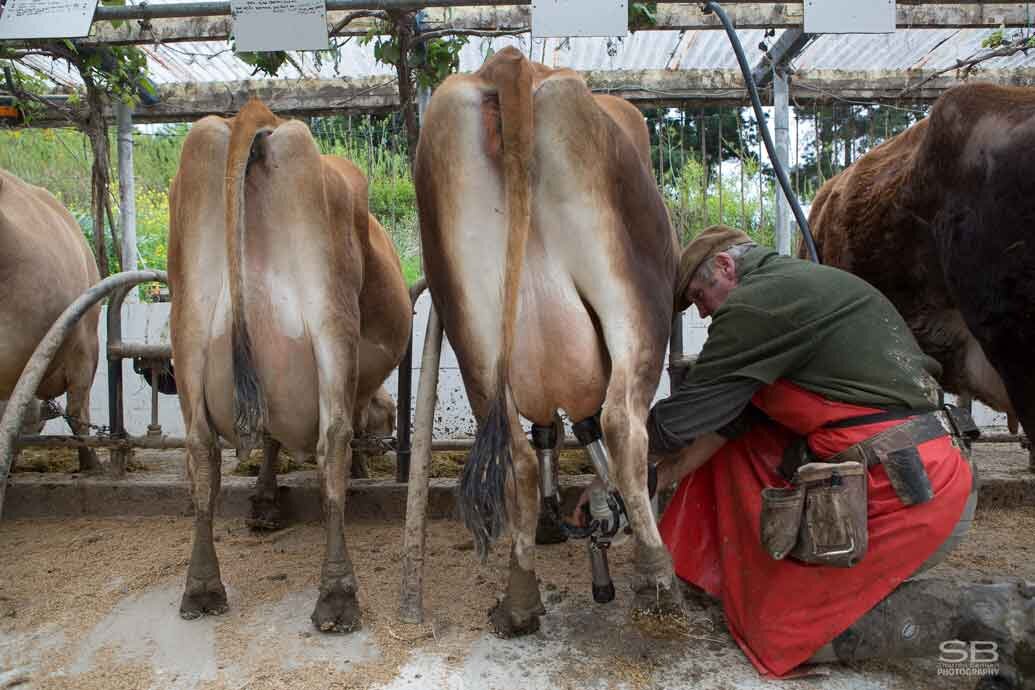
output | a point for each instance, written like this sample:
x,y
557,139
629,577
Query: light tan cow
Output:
x,y
550,257
45,264
289,310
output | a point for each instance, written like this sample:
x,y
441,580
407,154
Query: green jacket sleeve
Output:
x,y
747,342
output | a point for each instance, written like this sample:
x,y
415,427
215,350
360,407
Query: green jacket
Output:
x,y
821,328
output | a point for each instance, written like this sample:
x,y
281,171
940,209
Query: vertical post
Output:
x,y
720,165
783,205
127,192
119,457
411,601
402,450
154,428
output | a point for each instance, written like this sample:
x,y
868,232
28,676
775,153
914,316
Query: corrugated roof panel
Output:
x,y
696,50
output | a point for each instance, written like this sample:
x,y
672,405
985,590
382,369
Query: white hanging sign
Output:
x,y
22,19
579,18
849,16
266,25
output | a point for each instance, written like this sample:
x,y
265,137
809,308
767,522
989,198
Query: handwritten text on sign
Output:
x,y
263,25
46,18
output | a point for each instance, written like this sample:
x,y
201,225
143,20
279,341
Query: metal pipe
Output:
x,y
142,350
749,81
116,409
402,451
117,350
781,109
173,442
601,462
29,381
127,194
151,442
216,9
154,428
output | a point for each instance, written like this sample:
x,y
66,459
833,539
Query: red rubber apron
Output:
x,y
782,612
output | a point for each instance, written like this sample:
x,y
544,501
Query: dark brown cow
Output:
x,y
940,219
551,260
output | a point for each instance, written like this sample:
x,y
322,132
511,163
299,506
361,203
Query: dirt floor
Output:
x,y
92,604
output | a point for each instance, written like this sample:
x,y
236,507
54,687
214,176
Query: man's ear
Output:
x,y
725,263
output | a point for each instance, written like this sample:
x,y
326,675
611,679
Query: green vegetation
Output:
x,y
59,160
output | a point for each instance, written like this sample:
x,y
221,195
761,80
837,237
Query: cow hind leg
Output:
x,y
265,511
204,592
519,611
624,419
337,608
79,421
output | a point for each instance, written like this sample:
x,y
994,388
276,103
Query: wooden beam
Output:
x,y
681,17
192,29
645,88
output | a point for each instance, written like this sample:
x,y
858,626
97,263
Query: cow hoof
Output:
x,y
265,515
203,597
549,531
506,625
359,468
88,461
659,600
337,611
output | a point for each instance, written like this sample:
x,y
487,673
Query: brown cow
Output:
x,y
45,265
289,310
940,219
550,258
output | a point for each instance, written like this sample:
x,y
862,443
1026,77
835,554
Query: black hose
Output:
x,y
781,174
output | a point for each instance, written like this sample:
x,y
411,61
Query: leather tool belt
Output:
x,y
822,518
895,448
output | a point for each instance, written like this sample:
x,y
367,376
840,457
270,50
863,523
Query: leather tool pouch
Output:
x,y
963,425
822,520
781,519
896,450
907,475
834,527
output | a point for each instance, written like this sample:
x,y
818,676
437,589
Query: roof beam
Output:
x,y
645,88
671,16
786,48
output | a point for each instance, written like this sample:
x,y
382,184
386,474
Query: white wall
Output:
x,y
149,323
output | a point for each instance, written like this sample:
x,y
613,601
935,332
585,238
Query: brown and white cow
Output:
x,y
45,265
289,310
941,219
550,258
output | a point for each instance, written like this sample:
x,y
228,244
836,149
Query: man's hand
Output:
x,y
578,518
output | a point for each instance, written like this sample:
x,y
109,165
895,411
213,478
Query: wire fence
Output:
x,y
709,163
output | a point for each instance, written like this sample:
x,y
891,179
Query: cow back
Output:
x,y
45,264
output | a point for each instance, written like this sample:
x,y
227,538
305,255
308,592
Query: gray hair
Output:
x,y
736,252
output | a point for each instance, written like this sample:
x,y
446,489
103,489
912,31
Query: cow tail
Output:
x,y
251,124
483,485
